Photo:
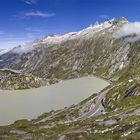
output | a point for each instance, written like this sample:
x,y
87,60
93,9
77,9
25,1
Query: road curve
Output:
x,y
96,108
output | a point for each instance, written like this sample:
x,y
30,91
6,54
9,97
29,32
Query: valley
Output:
x,y
90,109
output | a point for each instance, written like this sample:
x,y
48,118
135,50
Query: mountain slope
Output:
x,y
93,51
74,50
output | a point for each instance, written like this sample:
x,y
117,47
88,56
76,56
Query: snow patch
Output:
x,y
23,48
130,81
3,51
58,38
54,39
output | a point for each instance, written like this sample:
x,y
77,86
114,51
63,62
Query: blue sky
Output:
x,y
26,20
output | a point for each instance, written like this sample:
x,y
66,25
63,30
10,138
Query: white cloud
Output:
x,y
30,2
29,14
23,47
38,14
104,16
10,42
33,30
130,30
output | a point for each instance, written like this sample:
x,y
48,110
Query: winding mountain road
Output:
x,y
95,109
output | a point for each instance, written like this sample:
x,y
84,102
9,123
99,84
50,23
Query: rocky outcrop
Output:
x,y
15,80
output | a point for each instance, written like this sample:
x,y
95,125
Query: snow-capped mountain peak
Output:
x,y
50,40
53,39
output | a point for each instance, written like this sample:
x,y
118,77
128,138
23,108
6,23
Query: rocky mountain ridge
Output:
x,y
100,32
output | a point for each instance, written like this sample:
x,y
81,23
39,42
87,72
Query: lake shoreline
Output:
x,y
57,96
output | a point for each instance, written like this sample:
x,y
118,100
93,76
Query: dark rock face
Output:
x,y
130,92
7,59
